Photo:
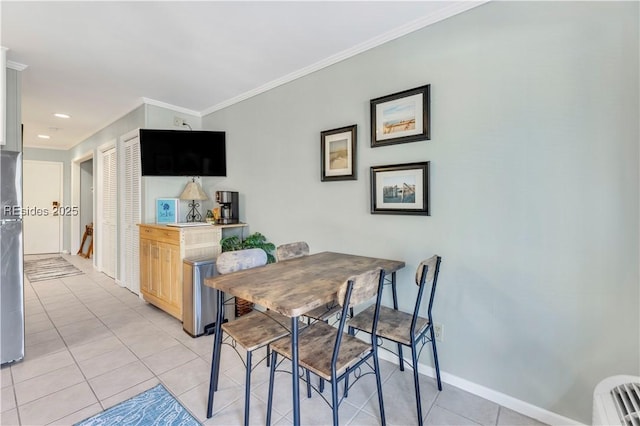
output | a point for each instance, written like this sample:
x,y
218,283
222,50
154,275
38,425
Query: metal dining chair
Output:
x,y
407,329
331,353
298,249
253,330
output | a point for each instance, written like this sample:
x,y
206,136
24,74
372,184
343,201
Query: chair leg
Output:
x,y
334,400
400,357
416,382
272,373
376,364
247,389
215,370
435,358
308,374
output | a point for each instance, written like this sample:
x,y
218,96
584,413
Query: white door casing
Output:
x,y
42,219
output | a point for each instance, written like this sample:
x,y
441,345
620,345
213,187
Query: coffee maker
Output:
x,y
228,201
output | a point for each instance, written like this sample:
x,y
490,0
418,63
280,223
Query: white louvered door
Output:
x,y
131,212
108,237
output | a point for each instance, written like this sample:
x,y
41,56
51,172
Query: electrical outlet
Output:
x,y
177,121
438,329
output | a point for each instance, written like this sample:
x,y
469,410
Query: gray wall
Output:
x,y
534,187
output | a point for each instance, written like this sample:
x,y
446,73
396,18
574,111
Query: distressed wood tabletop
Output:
x,y
296,286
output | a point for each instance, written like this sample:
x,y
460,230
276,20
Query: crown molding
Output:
x,y
453,9
149,101
16,66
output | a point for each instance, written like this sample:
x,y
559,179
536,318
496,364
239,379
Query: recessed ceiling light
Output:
x,y
61,115
44,136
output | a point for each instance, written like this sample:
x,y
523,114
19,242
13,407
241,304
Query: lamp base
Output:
x,y
194,215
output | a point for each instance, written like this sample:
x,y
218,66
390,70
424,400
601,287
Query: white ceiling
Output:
x,y
99,60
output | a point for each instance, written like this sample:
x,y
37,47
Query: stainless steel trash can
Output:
x,y
198,301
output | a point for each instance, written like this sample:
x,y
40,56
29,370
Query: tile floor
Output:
x,y
91,344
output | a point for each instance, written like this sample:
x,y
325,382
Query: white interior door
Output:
x,y
43,209
108,209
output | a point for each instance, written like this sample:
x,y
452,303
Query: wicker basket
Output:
x,y
243,307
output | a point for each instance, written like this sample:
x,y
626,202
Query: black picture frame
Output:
x,y
338,149
401,117
401,189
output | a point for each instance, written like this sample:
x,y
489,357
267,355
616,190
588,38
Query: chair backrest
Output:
x,y
426,276
355,291
292,250
232,261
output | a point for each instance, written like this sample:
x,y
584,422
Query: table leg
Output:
x,y
294,371
215,358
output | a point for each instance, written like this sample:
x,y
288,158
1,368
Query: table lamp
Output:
x,y
193,193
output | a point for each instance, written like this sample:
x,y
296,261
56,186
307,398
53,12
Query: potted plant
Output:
x,y
255,240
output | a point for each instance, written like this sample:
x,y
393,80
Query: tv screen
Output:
x,y
182,153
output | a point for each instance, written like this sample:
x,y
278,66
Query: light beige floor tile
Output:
x,y
443,417
364,419
30,368
106,362
98,347
468,405
58,405
120,379
195,400
9,418
129,393
509,417
44,349
5,376
84,337
151,344
42,337
33,327
45,384
8,398
79,415
168,359
187,376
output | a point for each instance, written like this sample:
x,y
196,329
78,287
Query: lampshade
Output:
x,y
193,191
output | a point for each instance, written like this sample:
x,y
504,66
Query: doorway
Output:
x,y
43,207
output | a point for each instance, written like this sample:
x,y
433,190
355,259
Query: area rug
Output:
x,y
153,407
49,268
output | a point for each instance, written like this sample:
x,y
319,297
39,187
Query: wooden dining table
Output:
x,y
292,288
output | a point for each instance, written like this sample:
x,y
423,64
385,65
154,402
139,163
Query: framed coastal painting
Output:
x,y
167,210
401,117
400,189
338,153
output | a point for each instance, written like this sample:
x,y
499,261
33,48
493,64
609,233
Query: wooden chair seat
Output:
x,y
314,352
393,325
256,329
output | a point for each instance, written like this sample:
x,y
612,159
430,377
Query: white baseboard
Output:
x,y
517,405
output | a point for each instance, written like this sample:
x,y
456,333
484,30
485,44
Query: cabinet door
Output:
x,y
145,265
155,275
170,289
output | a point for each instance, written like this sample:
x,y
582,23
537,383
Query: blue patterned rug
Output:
x,y
153,407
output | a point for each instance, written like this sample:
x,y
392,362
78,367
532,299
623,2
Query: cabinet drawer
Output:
x,y
167,235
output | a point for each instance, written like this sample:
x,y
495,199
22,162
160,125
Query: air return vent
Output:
x,y
626,398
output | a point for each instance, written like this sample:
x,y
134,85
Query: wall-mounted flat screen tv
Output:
x,y
183,153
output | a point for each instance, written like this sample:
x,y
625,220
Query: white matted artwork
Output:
x,y
338,153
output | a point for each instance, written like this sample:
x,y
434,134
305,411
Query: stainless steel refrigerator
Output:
x,y
11,259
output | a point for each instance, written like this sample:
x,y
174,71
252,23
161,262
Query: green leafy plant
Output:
x,y
255,240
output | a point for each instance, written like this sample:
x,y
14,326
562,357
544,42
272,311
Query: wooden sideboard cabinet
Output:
x,y
162,251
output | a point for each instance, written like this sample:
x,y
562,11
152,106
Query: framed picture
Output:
x,y
167,210
400,189
338,153
401,117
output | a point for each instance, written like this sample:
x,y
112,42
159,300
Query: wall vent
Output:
x,y
626,398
